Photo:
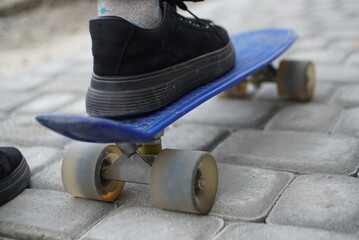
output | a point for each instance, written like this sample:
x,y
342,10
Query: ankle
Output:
x,y
142,13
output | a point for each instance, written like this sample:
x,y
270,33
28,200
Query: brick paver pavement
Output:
x,y
287,170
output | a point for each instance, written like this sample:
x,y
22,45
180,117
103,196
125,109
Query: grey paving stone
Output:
x,y
350,45
25,81
150,223
247,194
50,177
6,238
291,151
305,117
56,67
329,202
47,103
348,123
74,108
354,59
83,57
39,157
37,77
310,43
10,100
231,113
13,6
135,194
348,96
25,131
253,231
341,33
338,25
40,214
295,23
301,30
337,73
72,80
323,91
193,136
326,56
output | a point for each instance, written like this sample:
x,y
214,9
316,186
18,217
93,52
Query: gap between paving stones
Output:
x,y
311,117
221,229
315,200
29,233
98,222
215,144
225,135
47,103
68,104
335,121
51,213
346,96
33,134
254,231
243,192
279,196
39,76
344,125
29,155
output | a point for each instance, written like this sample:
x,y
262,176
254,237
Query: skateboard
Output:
x,y
179,180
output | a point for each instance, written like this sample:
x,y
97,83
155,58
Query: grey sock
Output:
x,y
143,13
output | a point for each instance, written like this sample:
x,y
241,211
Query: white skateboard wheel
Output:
x,y
81,171
296,80
184,181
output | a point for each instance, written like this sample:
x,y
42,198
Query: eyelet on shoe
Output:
x,y
194,24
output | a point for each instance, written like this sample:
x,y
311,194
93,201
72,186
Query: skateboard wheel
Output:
x,y
296,80
184,181
81,171
239,90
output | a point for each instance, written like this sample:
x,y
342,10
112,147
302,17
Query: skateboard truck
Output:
x,y
128,169
134,165
179,180
266,74
132,148
295,81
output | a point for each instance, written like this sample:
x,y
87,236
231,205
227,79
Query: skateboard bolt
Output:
x,y
202,182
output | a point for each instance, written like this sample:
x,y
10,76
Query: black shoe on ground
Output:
x,y
137,71
14,174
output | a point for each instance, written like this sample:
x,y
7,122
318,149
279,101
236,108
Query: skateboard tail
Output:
x,y
88,129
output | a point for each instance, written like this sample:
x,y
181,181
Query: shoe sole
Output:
x,y
118,97
15,183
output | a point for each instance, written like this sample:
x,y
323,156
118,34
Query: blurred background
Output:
x,y
33,32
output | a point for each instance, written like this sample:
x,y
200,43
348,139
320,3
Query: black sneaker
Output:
x,y
14,174
138,70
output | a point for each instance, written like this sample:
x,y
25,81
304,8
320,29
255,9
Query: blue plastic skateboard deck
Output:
x,y
254,50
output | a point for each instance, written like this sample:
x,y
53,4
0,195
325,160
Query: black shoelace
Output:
x,y
182,5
